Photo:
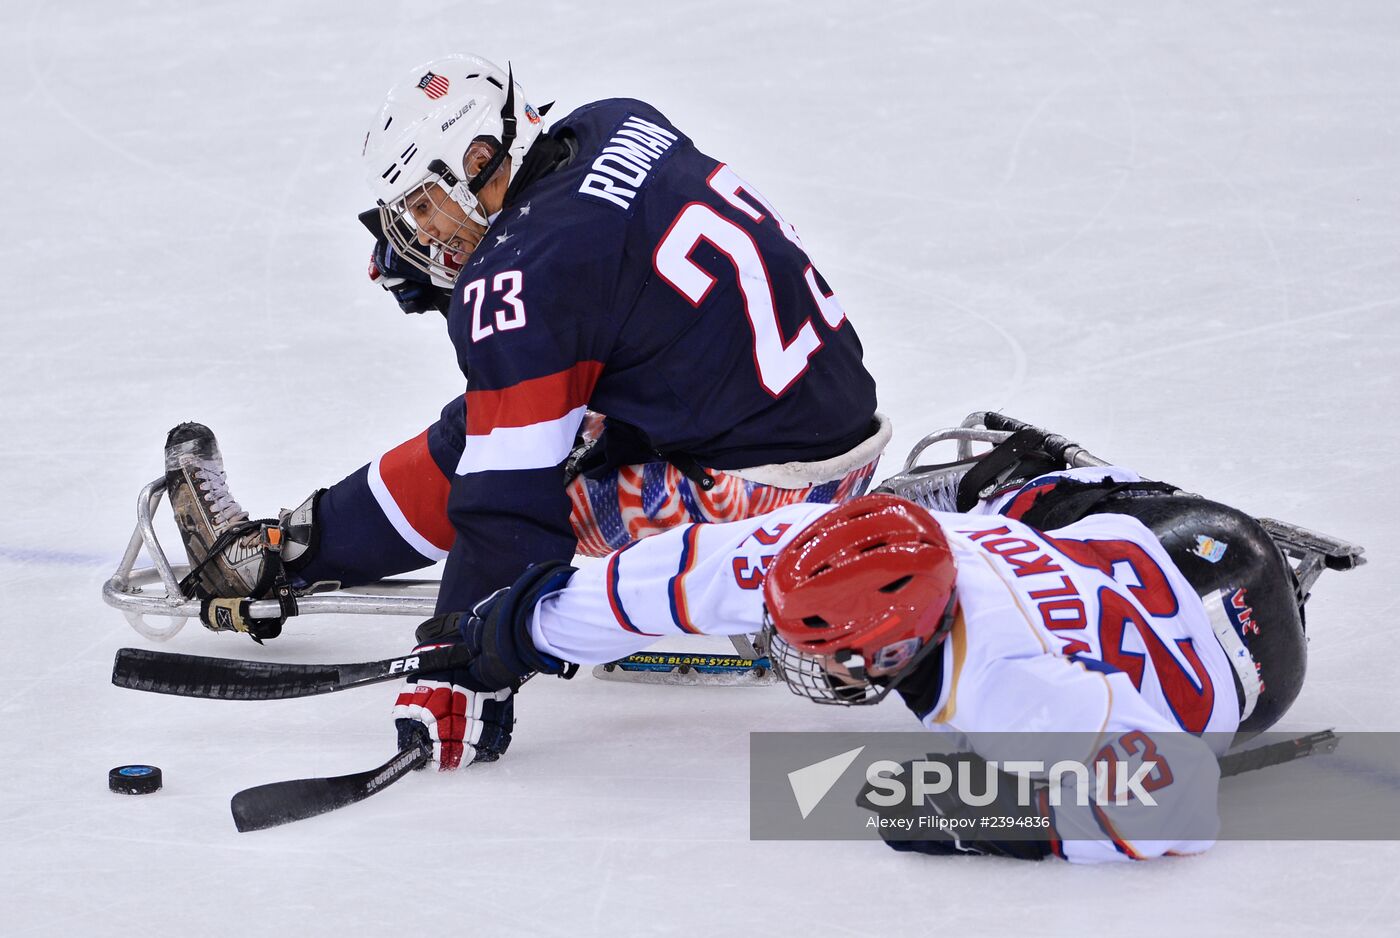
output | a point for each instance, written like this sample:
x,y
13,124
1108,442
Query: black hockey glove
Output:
x,y
498,630
467,714
414,290
945,825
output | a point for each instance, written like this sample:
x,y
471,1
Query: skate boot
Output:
x,y
233,560
226,550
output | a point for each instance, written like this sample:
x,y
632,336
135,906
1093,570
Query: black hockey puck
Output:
x,y
134,779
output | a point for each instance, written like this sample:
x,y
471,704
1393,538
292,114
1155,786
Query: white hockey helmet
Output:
x,y
422,133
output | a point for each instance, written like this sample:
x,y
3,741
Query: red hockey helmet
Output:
x,y
859,594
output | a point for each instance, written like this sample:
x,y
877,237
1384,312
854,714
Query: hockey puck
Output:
x,y
134,779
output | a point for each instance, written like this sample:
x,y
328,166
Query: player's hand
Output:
x,y
463,724
467,713
945,825
497,631
412,289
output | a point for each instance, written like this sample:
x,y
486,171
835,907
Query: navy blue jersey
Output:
x,y
646,281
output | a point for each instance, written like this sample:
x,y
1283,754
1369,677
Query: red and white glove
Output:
x,y
462,725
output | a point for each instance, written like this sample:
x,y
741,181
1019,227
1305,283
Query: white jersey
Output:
x,y
1089,629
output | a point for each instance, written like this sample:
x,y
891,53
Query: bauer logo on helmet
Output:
x,y
461,112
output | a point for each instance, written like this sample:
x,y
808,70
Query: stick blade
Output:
x,y
278,803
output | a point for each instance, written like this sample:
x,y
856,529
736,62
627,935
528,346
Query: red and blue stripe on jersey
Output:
x,y
619,612
528,425
675,588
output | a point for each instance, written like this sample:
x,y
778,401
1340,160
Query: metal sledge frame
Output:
x,y
1308,552
155,590
135,591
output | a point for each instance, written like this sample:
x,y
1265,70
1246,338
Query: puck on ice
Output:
x,y
134,779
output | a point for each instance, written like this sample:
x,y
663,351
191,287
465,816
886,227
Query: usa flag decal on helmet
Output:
x,y
434,86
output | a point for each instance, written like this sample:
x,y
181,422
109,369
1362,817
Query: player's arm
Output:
x,y
698,579
525,335
504,520
533,365
413,290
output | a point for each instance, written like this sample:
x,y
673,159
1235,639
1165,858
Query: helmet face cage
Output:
x,y
806,675
435,258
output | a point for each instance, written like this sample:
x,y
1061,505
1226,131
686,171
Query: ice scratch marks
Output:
x,y
1013,158
1391,303
1091,49
57,557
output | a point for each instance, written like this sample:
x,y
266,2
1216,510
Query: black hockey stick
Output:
x,y
1234,763
283,802
163,672
265,806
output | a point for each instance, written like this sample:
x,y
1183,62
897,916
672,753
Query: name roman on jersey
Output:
x,y
622,168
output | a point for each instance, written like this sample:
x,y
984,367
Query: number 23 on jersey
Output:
x,y
779,362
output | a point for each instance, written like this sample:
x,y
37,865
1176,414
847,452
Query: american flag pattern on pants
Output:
x,y
633,502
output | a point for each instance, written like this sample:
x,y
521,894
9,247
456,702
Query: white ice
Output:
x,y
1166,229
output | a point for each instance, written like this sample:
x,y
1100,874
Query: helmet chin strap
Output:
x,y
479,181
467,193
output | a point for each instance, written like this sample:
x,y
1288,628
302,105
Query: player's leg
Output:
x,y
615,507
387,517
390,516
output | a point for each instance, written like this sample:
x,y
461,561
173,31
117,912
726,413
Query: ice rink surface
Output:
x,y
1168,230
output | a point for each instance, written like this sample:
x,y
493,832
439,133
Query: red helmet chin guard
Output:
x,y
869,585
